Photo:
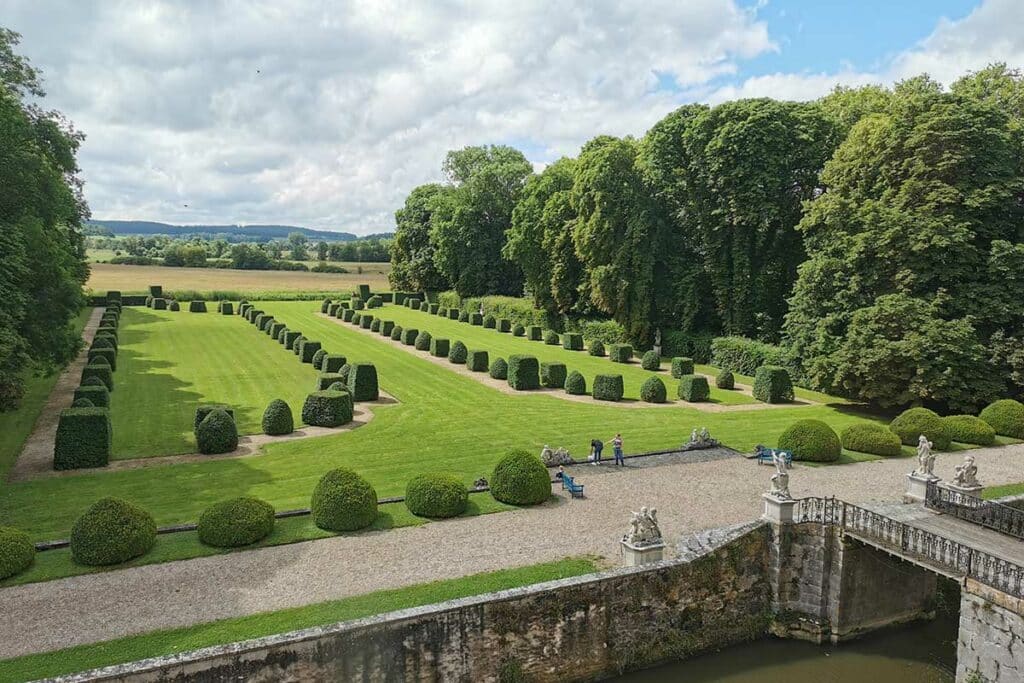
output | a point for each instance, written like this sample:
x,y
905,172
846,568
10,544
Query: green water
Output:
x,y
921,653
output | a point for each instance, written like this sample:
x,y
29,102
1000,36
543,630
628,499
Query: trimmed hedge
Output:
x,y
725,380
620,353
436,495
102,343
274,331
268,321
523,372
534,333
84,436
16,551
772,384
344,372
308,349
454,313
217,433
356,318
375,325
347,314
159,304
572,341
440,347
363,291
98,395
340,313
1006,417
156,291
174,306
227,308
520,478
870,437
518,330
504,325
477,361
110,355
332,363
409,336
111,531
374,302
356,303
204,409
551,338
682,366
422,342
82,403
694,388
325,379
327,408
343,501
576,383
277,418
425,306
811,440
969,429
745,356
498,369
365,320
608,387
235,523
362,382
318,357
396,333
297,345
101,372
197,307
596,348
386,327
458,353
653,390
325,305
651,360
552,375
476,319
911,424
289,338
490,322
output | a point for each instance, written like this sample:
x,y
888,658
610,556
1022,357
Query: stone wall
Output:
x,y
582,628
990,644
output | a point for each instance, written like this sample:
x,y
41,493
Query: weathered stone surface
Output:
x,y
991,638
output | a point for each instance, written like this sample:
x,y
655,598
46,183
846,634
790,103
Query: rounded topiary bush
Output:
x,y
969,429
651,361
277,418
16,551
653,390
112,531
436,495
396,333
596,348
236,522
551,338
576,383
870,437
518,330
911,424
343,501
811,440
217,433
458,353
318,357
1006,417
423,341
520,478
499,369
725,380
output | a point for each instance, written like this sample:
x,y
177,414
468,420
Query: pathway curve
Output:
x,y
83,609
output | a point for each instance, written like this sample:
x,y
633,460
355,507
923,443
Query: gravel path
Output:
x,y
56,614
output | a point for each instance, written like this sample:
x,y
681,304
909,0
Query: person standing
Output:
x,y
596,446
617,450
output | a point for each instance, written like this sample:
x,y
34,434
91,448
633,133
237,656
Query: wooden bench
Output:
x,y
570,485
763,455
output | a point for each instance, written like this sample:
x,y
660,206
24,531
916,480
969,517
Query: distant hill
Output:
x,y
234,233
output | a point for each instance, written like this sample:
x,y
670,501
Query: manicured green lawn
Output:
x,y
173,641
991,492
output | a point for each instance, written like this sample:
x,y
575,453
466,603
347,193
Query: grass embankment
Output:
x,y
991,492
173,641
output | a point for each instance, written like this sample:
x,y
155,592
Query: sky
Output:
x,y
327,114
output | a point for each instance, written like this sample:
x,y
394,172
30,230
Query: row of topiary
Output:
x,y
158,302
114,531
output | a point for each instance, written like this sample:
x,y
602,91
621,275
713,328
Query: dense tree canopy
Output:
x,y
412,252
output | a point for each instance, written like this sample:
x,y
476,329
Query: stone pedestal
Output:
x,y
917,487
778,510
636,555
974,490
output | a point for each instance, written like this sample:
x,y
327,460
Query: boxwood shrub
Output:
x,y
159,304
111,531
573,341
682,366
694,388
343,501
1006,417
504,325
102,343
107,330
458,353
490,322
325,305
289,338
274,331
651,360
498,369
365,320
357,303
105,337
534,333
340,313
523,372
396,332
243,308
16,551
477,360
425,306
327,408
156,291
969,429
344,372
772,384
476,319
100,371
520,478
362,382
197,307
620,353
596,348
551,338
347,315
375,325
332,362
552,375
518,330
173,306
911,424
440,347
363,291
325,379
409,336
109,355
454,313
811,440
97,394
82,403
332,310
422,342
725,380
217,433
149,301
307,349
575,384
84,436
356,317
386,327
227,308
870,437
653,390
297,344
277,418
235,523
374,302
318,357
113,295
266,323
204,409
436,495
608,387
463,316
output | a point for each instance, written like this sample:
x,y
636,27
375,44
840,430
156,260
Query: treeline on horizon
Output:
x,y
875,234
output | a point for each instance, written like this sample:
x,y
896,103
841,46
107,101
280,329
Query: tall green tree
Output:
x,y
42,250
412,252
297,246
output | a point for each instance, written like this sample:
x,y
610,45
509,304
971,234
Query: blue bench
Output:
x,y
574,489
763,455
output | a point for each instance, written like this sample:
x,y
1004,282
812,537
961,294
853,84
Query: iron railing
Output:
x,y
931,548
988,513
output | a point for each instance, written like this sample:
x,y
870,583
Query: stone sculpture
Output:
x,y
480,483
780,480
965,476
925,459
559,456
699,440
643,528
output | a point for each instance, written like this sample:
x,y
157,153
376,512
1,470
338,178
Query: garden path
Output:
x,y
90,608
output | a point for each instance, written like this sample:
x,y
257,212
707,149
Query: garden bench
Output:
x,y
764,456
568,484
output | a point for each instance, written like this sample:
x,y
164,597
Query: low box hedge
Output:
x,y
518,330
332,362
197,307
573,341
682,366
423,341
365,320
694,388
620,353
159,304
523,372
551,338
490,322
362,382
332,310
100,372
307,348
535,333
596,348
227,308
608,387
440,347
289,338
325,379
552,375
110,355
453,314
773,385
98,395
347,315
327,408
504,325
274,330
476,319
84,437
409,336
477,360
386,327
432,309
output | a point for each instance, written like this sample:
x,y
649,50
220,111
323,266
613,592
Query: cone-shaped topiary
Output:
x,y
112,531
236,522
811,440
596,348
870,437
1006,417
969,429
725,380
520,478
422,342
575,384
653,390
436,495
217,433
343,501
16,551
911,424
327,408
458,353
651,360
499,369
277,418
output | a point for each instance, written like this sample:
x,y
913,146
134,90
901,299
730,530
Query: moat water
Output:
x,y
920,653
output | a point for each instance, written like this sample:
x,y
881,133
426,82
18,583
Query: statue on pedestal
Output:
x,y
643,528
657,341
699,440
780,480
966,475
925,459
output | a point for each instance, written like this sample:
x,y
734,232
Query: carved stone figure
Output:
x,y
780,480
925,458
643,528
699,440
559,456
657,341
966,475
480,483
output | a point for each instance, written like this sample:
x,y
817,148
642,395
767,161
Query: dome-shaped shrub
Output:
x,y
344,371
1006,417
436,495
16,551
396,333
551,338
811,440
102,343
343,501
423,341
499,369
236,522
277,418
174,306
725,380
653,390
870,437
651,361
520,478
969,429
576,383
112,531
217,433
82,403
338,386
93,382
518,330
596,348
458,353
318,357
911,424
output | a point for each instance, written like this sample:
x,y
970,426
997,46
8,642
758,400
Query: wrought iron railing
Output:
x,y
988,513
939,551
